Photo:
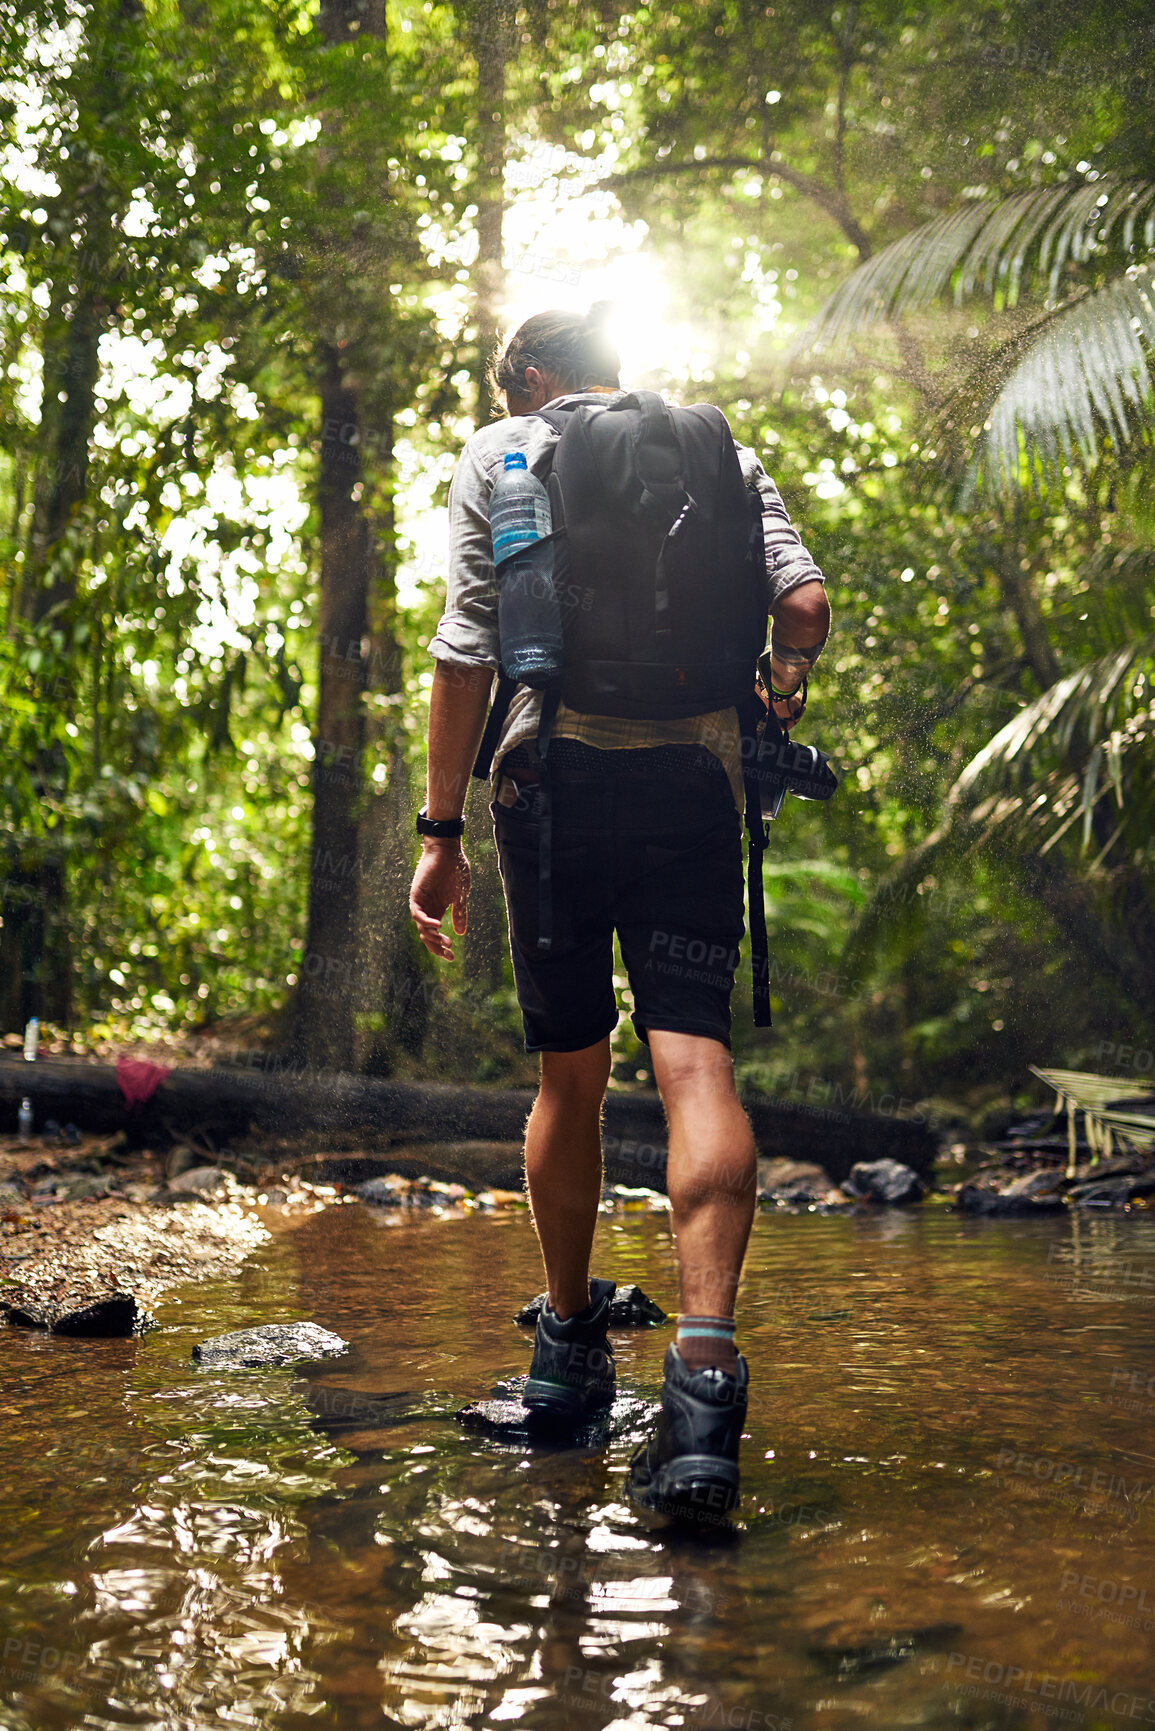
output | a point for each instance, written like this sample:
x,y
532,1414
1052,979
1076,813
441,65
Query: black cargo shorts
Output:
x,y
647,843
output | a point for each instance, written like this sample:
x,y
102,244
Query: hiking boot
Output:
x,y
689,1465
572,1373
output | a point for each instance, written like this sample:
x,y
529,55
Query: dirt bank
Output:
x,y
92,1236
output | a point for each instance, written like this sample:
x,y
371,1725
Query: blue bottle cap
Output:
x,y
515,460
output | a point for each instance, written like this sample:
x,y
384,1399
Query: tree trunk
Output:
x,y
1019,596
324,1005
491,25
356,1112
483,945
392,1001
35,946
490,38
355,932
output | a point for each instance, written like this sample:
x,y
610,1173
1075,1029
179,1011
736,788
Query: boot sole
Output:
x,y
697,1487
553,1401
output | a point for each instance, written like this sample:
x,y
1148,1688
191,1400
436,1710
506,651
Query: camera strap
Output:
x,y
750,716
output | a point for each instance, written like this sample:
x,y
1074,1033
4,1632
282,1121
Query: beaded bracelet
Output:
x,y
784,696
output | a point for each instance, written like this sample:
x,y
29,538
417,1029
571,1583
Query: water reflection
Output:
x,y
949,1511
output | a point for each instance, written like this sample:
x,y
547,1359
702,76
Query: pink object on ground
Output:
x,y
139,1080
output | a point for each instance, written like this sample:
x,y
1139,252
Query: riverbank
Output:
x,y
94,1232
92,1236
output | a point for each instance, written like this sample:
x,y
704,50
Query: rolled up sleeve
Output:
x,y
468,631
788,561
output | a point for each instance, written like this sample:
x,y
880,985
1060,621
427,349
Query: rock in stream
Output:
x,y
630,1307
275,1344
888,1181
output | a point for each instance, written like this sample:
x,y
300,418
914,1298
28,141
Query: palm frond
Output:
x,y
1002,247
1122,582
1085,374
1045,770
1049,766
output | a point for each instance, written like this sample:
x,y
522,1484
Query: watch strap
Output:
x,y
443,828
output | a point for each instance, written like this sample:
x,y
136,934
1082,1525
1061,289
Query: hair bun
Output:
x,y
599,315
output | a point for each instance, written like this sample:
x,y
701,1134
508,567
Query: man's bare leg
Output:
x,y
712,1170
688,1466
563,1168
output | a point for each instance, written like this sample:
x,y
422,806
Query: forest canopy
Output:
x,y
256,256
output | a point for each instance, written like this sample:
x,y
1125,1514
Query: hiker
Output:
x,y
644,837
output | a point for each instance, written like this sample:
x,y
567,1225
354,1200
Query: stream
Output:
x,y
948,1514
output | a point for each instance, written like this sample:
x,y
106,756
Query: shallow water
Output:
x,y
948,1516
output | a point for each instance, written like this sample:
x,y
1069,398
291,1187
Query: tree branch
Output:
x,y
832,202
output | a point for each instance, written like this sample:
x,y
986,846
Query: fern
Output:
x,y
1079,372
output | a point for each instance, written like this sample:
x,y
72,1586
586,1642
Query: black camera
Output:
x,y
779,765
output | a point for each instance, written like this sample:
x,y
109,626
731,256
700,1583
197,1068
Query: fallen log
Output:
x,y
352,1113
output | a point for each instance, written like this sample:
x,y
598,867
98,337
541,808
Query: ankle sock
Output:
x,y
707,1343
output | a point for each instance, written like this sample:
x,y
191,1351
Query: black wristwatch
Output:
x,y
444,828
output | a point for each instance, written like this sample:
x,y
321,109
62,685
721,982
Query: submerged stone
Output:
x,y
1043,1185
851,1653
506,1420
391,1191
889,1181
981,1199
276,1343
791,1183
353,1409
1112,1192
630,1307
799,1184
118,1316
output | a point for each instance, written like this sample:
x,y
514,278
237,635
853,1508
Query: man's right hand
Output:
x,y
440,881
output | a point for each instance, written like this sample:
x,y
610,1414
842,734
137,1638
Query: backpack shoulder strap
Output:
x,y
558,419
659,457
498,710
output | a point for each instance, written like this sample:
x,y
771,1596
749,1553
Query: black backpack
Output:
x,y
660,566
660,569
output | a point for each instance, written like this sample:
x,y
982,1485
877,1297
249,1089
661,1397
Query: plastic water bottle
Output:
x,y
528,612
31,1039
24,1120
